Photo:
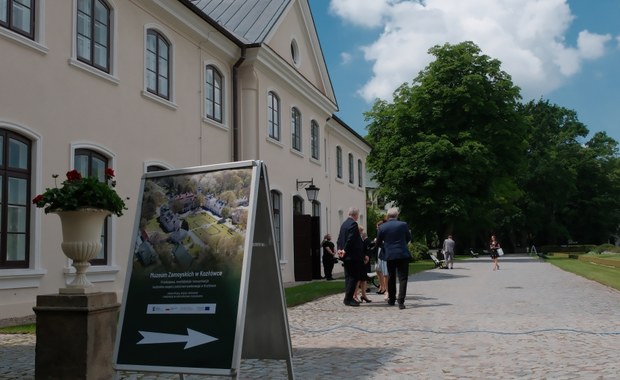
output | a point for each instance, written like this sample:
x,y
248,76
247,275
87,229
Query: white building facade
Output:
x,y
138,85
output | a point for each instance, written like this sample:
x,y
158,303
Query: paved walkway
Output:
x,y
529,320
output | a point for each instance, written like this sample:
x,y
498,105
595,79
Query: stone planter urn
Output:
x,y
81,241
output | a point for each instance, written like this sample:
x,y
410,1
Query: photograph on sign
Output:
x,y
185,274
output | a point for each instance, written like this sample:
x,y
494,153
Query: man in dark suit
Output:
x,y
350,247
392,237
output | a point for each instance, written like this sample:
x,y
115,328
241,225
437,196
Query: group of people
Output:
x,y
354,249
391,253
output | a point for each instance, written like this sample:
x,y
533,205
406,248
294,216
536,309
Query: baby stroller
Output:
x,y
472,253
438,263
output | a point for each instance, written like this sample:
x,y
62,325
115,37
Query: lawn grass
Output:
x,y
23,329
601,274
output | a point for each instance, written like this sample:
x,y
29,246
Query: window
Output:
x,y
314,139
298,205
157,64
15,173
93,164
213,94
359,173
18,16
338,162
351,168
294,52
93,33
316,208
276,204
273,115
296,129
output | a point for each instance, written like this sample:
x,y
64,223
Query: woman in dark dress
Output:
x,y
494,246
329,256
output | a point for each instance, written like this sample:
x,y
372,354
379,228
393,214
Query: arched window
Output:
x,y
92,164
213,94
338,162
273,115
276,205
93,42
314,139
298,205
296,129
15,196
360,170
157,64
351,169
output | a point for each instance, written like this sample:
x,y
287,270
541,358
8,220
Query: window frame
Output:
x,y
90,61
273,116
7,172
360,173
296,129
351,169
212,89
159,37
339,162
315,140
10,25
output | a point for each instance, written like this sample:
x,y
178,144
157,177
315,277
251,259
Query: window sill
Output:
x,y
297,152
93,71
41,49
157,99
21,278
275,142
215,124
315,161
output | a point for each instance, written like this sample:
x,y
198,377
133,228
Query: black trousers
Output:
x,y
350,280
328,266
398,267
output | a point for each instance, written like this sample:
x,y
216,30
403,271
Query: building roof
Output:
x,y
248,20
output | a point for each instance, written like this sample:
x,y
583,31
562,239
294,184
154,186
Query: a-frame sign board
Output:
x,y
203,287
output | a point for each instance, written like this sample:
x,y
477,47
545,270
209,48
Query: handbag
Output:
x,y
500,252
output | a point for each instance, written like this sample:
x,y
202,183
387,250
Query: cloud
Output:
x,y
345,58
527,36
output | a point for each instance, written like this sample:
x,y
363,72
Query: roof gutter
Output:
x,y
235,105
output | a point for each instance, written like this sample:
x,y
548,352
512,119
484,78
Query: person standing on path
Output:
x,y
329,256
349,245
393,237
448,251
494,246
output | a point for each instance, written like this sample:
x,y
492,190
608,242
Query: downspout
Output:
x,y
236,94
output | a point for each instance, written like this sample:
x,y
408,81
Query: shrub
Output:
x,y
418,250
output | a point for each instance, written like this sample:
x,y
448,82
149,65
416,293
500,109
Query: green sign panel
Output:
x,y
187,280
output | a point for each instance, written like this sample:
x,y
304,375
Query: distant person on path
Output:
x,y
349,245
329,256
494,246
448,252
393,237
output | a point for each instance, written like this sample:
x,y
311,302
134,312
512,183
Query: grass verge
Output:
x,y
601,274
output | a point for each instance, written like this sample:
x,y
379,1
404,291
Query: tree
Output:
x,y
447,147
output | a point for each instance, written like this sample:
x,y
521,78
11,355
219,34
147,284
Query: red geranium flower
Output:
x,y
74,175
109,173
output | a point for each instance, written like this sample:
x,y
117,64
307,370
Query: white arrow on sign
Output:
x,y
192,339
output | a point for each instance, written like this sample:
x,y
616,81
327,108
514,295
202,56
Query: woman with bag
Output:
x,y
494,246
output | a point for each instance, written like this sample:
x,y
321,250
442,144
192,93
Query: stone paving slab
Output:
x,y
529,320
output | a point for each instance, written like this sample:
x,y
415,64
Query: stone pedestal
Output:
x,y
75,336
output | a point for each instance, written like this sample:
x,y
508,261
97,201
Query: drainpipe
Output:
x,y
236,92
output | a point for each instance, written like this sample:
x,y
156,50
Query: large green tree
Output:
x,y
572,188
447,147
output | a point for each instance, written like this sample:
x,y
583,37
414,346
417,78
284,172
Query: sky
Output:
x,y
564,51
